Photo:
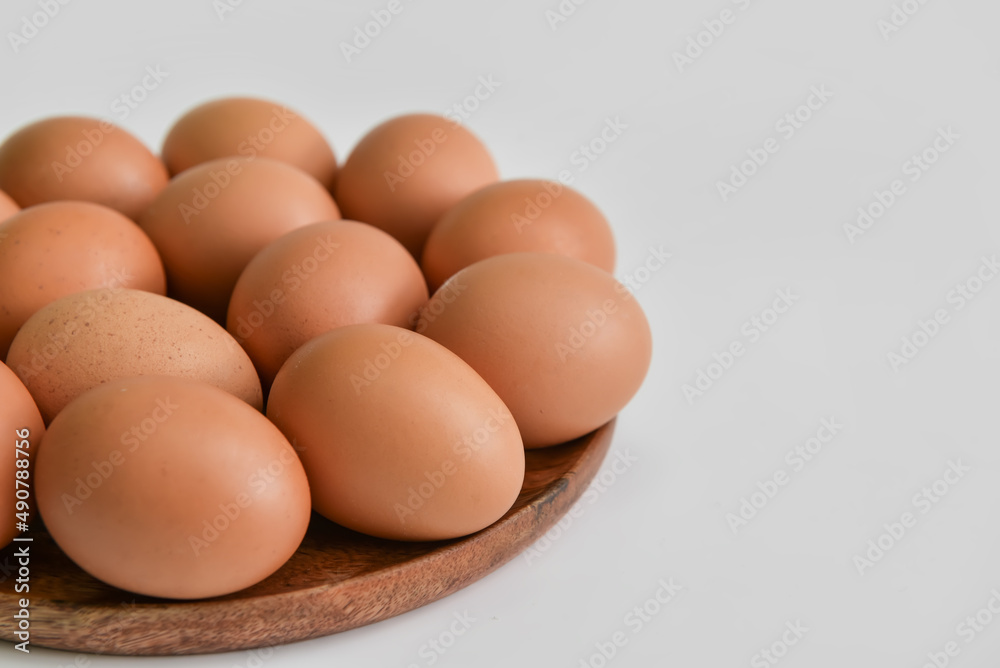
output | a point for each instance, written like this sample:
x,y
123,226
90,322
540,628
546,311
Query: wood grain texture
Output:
x,y
337,580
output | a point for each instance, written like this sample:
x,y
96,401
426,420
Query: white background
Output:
x,y
666,516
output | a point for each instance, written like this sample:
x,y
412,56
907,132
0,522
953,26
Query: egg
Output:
x,y
317,278
77,158
21,428
51,250
8,207
562,343
172,488
88,338
212,219
407,172
518,216
248,127
399,437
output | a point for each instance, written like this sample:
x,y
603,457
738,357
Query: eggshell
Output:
x,y
22,429
559,340
60,248
316,278
212,219
248,127
518,216
170,487
77,158
407,172
399,437
8,207
88,338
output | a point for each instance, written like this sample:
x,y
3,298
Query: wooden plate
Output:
x,y
337,580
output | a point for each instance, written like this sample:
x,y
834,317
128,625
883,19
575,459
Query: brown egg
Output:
x,y
212,219
559,340
22,429
399,437
407,172
76,158
88,338
248,127
51,250
8,207
170,487
317,278
514,216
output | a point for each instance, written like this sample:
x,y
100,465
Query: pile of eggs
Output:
x,y
202,348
